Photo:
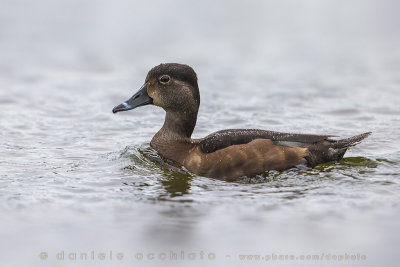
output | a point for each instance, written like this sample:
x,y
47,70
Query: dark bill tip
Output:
x,y
139,99
122,107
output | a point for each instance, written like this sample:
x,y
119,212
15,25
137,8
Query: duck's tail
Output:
x,y
331,150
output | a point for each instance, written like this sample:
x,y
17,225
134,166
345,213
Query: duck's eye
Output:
x,y
164,79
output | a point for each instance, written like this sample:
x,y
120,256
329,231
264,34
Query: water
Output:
x,y
74,176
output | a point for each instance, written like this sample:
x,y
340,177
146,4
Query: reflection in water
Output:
x,y
350,163
176,184
147,162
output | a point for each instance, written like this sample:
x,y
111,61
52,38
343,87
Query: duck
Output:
x,y
225,154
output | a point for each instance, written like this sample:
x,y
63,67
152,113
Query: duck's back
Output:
x,y
234,153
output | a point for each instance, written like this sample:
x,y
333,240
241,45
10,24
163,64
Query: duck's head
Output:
x,y
173,87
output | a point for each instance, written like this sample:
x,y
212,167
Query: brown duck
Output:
x,y
228,153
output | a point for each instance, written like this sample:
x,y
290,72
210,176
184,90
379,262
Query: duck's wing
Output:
x,y
255,157
233,153
226,138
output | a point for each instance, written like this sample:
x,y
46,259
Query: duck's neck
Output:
x,y
179,125
174,138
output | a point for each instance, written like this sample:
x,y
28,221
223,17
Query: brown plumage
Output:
x,y
228,153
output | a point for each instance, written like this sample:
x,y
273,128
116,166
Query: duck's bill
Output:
x,y
139,99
